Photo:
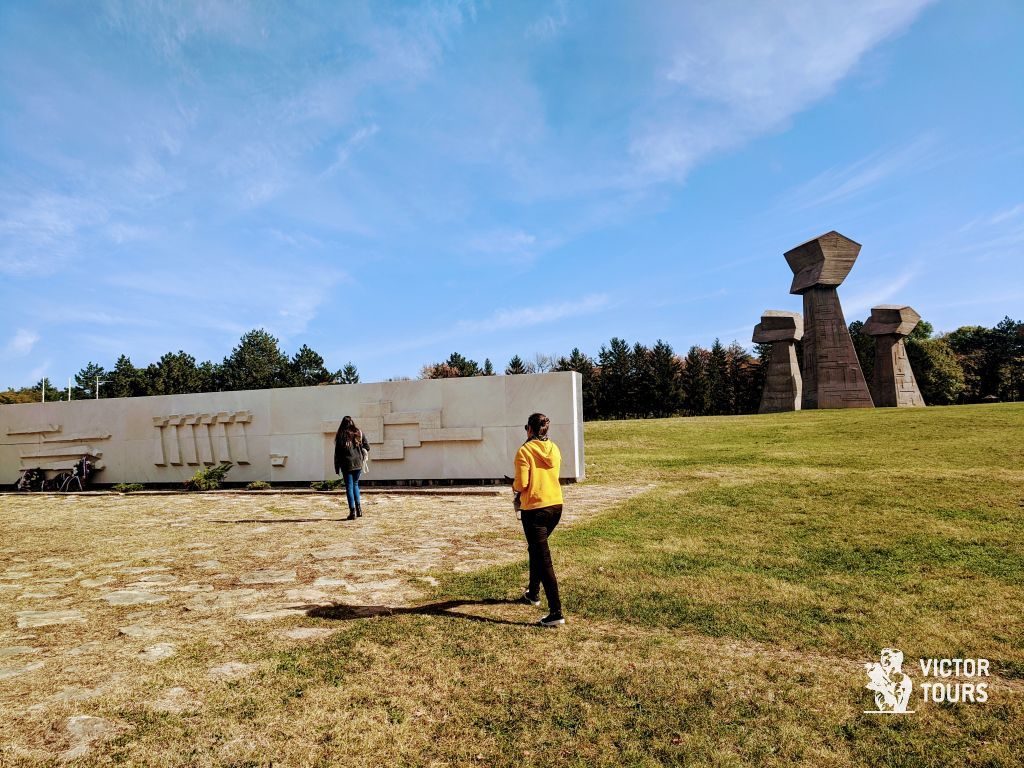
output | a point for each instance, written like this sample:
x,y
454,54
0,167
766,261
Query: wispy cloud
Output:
x,y
282,300
551,24
1006,215
351,145
991,236
877,292
22,342
500,320
840,184
40,233
524,317
510,244
736,70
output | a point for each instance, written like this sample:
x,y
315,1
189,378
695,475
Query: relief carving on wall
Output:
x,y
58,450
418,427
201,438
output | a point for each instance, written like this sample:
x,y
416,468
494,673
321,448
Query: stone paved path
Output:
x,y
98,592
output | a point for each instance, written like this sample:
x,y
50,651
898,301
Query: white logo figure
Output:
x,y
892,687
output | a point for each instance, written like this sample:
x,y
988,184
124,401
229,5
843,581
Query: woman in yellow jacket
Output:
x,y
537,465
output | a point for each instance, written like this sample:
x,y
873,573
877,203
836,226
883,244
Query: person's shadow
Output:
x,y
341,612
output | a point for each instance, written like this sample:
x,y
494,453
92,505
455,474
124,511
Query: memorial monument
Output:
x,y
832,376
893,384
783,385
436,429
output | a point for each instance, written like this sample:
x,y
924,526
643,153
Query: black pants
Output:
x,y
538,524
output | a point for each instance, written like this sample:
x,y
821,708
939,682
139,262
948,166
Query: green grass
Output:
x,y
720,619
816,535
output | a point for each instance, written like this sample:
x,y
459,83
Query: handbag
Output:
x,y
366,460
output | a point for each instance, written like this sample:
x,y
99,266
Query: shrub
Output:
x,y
326,485
209,478
258,485
128,487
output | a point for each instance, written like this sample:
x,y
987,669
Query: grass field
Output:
x,y
722,617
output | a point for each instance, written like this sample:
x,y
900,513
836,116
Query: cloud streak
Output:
x,y
841,184
525,317
739,69
22,342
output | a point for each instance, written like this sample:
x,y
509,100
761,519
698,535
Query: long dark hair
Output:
x,y
538,424
348,431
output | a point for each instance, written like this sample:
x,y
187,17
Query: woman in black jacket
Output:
x,y
349,446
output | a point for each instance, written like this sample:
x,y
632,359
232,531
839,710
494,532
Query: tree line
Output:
x,y
969,365
972,364
258,362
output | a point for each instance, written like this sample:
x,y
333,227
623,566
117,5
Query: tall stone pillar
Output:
x,y
893,384
783,386
832,374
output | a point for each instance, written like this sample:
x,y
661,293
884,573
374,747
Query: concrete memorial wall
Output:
x,y
436,429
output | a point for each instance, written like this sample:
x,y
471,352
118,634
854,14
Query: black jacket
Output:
x,y
348,454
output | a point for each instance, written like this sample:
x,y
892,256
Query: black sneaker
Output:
x,y
552,620
525,599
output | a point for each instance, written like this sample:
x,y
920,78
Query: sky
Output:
x,y
390,183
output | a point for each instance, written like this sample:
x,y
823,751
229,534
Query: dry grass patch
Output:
x,y
122,599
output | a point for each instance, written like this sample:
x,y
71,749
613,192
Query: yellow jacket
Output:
x,y
537,466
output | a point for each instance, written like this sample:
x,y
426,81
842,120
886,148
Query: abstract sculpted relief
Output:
x,y
409,429
201,438
832,374
57,450
424,430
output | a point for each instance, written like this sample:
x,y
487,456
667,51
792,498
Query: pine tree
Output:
x,y
463,365
746,377
85,381
256,363
348,374
124,381
516,366
488,368
584,366
210,376
614,389
51,391
173,374
641,393
864,345
696,399
307,368
720,387
666,372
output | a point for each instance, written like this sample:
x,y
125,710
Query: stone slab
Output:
x,y
132,597
28,619
286,435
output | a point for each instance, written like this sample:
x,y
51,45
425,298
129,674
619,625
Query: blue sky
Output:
x,y
389,183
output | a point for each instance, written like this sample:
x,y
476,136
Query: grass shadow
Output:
x,y
342,612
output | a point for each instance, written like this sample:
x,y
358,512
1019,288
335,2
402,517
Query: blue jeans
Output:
x,y
352,489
